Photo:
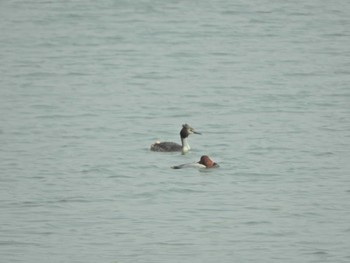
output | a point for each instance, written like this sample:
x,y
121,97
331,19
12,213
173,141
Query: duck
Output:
x,y
204,163
175,147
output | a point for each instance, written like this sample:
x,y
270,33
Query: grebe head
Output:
x,y
205,160
187,130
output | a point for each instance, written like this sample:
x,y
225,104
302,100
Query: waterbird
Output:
x,y
174,147
205,162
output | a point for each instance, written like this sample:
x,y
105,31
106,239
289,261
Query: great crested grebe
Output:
x,y
174,147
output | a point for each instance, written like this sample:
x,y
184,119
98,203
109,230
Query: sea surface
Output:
x,y
87,86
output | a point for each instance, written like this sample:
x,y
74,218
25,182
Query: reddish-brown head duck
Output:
x,y
205,160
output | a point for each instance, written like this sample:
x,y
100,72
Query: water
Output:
x,y
87,86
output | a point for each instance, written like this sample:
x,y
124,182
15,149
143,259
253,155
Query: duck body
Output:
x,y
204,163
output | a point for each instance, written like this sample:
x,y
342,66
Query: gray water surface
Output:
x,y
87,86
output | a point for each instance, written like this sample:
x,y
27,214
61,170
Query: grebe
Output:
x,y
204,162
174,147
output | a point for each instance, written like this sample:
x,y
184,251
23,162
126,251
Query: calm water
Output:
x,y
87,86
